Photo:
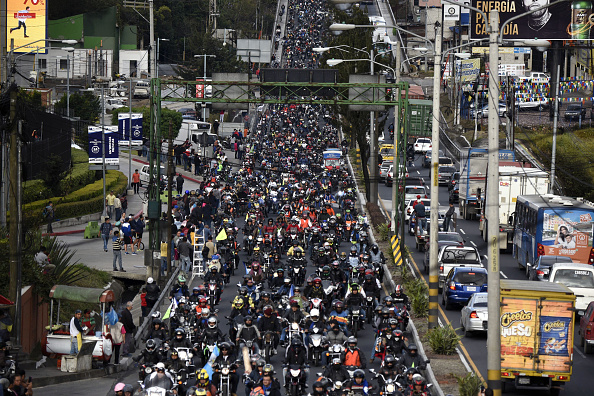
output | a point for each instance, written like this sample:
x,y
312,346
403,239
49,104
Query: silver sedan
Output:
x,y
475,314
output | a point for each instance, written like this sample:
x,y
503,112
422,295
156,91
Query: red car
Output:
x,y
586,330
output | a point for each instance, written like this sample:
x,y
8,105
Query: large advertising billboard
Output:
x,y
568,233
26,23
563,21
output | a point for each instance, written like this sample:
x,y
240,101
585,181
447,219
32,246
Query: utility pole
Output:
x,y
434,226
397,161
555,120
492,210
130,137
152,38
373,188
169,194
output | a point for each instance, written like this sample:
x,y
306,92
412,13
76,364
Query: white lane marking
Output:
x,y
473,244
580,352
462,231
486,257
502,274
418,172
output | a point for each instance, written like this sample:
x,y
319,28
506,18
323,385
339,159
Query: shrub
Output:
x,y
468,385
419,303
443,340
384,231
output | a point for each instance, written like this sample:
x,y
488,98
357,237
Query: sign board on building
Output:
x,y
124,129
468,69
451,12
502,50
111,145
562,21
430,3
26,23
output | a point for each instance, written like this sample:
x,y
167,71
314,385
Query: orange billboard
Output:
x,y
26,23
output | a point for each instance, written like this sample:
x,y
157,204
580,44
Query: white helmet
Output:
x,y
314,312
150,280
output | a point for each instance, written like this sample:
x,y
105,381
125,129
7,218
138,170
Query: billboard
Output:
x,y
124,129
568,233
26,22
111,145
562,21
468,70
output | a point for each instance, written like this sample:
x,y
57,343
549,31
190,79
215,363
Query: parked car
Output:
x,y
422,145
444,173
574,112
475,315
483,112
427,158
539,271
586,329
114,103
145,175
461,283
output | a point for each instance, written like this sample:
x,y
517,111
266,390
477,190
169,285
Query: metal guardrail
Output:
x,y
165,292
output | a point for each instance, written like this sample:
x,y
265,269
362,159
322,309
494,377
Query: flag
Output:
x,y
172,307
211,359
292,291
222,235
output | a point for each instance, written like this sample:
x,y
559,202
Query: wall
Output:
x,y
34,319
100,60
142,58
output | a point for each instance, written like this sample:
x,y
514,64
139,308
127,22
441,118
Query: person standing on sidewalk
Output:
x,y
197,164
109,202
116,245
136,181
130,327
179,181
76,332
106,229
127,231
118,336
185,250
48,214
117,206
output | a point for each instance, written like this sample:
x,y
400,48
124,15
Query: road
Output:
x,y
475,346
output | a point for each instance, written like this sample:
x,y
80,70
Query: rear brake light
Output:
x,y
539,272
501,230
504,374
540,250
441,268
563,377
426,196
473,315
452,286
591,258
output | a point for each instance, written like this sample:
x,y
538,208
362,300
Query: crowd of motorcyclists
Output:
x,y
313,280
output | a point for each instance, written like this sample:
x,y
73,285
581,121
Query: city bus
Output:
x,y
553,225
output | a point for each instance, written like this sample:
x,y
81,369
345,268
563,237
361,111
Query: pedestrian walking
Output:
x,y
184,249
109,202
448,217
118,337
136,181
48,214
117,206
106,230
76,332
130,327
116,245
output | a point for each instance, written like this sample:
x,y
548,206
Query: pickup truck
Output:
x,y
454,256
535,77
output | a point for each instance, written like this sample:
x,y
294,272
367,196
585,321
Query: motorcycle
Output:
x,y
316,341
225,371
212,293
144,371
294,386
268,346
250,345
369,307
354,320
186,355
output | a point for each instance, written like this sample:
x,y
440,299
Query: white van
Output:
x,y
145,175
142,89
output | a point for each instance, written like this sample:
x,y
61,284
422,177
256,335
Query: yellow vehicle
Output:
x,y
536,330
387,152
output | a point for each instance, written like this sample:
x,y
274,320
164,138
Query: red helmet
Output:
x,y
317,281
202,301
268,310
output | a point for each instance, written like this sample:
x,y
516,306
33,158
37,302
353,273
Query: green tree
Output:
x,y
166,115
53,173
85,105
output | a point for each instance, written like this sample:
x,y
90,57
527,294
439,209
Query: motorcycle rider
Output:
x,y
248,332
296,355
285,289
254,378
336,371
150,355
388,370
195,296
264,301
159,378
317,291
203,382
157,331
293,315
371,289
335,335
412,358
180,289
211,335
418,386
356,299
269,322
277,281
358,385
226,359
213,275
341,315
179,340
174,363
399,297
353,356
319,389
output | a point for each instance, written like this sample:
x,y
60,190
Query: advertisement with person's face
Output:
x,y
567,233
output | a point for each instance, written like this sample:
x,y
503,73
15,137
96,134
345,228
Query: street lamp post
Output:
x,y
68,51
204,80
157,58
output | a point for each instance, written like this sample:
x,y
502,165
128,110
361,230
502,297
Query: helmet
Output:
x,y
181,279
339,304
151,344
202,375
150,280
390,360
388,300
374,249
354,287
119,387
156,315
326,269
359,374
412,349
268,369
268,310
157,321
243,290
238,302
265,294
385,311
317,281
412,371
261,363
202,300
314,312
205,312
248,318
212,322
180,332
352,340
160,366
128,388
418,380
224,345
195,289
287,280
344,255
399,289
336,361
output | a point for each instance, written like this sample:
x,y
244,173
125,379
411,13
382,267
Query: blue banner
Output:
x,y
124,129
96,148
554,336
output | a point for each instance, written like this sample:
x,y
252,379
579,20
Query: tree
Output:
x,y
85,105
166,116
53,173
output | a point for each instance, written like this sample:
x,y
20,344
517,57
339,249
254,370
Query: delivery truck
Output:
x,y
473,176
515,179
536,329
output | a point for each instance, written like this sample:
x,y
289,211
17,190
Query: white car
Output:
x,y
422,145
145,176
579,278
409,207
385,166
112,103
412,192
474,315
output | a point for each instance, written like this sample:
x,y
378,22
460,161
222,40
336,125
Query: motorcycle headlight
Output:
x,y
295,326
369,298
148,370
316,341
355,312
390,388
294,373
225,370
296,270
